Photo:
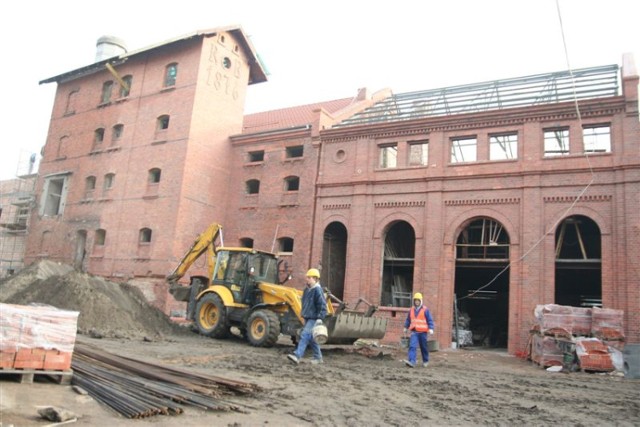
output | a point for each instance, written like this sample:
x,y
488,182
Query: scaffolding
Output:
x,y
540,89
17,198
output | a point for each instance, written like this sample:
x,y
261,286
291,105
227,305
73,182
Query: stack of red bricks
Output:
x,y
558,325
36,337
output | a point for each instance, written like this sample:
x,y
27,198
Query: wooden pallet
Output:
x,y
26,376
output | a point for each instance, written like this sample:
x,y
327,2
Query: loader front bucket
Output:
x,y
348,327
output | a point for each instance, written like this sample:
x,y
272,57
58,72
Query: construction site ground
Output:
x,y
356,386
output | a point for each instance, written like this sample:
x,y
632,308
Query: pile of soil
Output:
x,y
107,309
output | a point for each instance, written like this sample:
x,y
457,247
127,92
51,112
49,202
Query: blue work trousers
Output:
x,y
306,339
415,339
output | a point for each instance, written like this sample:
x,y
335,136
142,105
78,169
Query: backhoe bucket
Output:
x,y
348,327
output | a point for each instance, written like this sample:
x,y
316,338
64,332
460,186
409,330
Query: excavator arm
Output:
x,y
205,242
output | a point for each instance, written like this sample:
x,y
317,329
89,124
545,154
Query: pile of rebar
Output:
x,y
138,389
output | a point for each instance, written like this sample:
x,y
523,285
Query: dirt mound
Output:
x,y
106,308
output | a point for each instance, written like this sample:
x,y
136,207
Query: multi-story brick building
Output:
x,y
489,198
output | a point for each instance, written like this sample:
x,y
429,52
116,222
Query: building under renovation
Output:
x,y
489,198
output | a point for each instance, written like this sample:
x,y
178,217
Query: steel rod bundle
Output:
x,y
138,389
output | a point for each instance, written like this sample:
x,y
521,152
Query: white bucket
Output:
x,y
320,334
454,345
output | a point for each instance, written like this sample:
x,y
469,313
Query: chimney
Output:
x,y
108,47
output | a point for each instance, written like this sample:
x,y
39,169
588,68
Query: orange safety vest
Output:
x,y
419,322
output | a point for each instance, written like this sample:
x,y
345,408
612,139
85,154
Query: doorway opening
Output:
x,y
334,258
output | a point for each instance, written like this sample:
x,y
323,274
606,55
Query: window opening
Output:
x,y
116,132
54,195
285,245
154,175
100,237
398,265
145,235
109,180
163,122
388,157
246,242
98,136
291,183
503,147
171,74
256,156
464,150
295,151
597,139
418,153
126,89
90,183
556,142
106,92
252,186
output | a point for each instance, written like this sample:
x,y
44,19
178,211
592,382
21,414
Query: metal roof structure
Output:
x,y
539,89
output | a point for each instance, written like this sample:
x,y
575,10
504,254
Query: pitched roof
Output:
x,y
290,117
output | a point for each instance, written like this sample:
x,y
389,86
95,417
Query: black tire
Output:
x,y
211,316
263,328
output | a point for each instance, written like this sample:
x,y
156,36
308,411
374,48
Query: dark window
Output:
x,y
256,156
144,235
109,180
90,183
252,186
116,132
285,244
291,183
295,151
163,122
101,236
246,242
154,175
98,136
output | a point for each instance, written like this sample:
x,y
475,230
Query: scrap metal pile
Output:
x,y
590,339
138,389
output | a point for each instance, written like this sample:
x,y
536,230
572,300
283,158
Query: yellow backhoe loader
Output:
x,y
243,289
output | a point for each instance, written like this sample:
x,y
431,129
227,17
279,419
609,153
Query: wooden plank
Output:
x,y
26,376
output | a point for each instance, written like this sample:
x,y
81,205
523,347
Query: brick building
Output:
x,y
494,196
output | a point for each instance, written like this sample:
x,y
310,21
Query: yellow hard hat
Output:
x,y
313,272
417,295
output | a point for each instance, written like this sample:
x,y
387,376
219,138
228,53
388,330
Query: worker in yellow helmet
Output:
x,y
420,323
314,309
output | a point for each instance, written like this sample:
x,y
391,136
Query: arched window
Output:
x,y
154,175
252,186
100,237
116,132
285,245
144,235
246,242
291,183
106,92
109,181
171,73
90,183
126,89
98,136
163,122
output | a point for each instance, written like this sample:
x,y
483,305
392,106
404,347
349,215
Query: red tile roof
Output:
x,y
290,117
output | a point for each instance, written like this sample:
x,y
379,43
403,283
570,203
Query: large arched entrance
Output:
x,y
397,265
578,263
334,258
482,284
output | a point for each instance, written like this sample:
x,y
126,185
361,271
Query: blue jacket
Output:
x,y
314,305
427,315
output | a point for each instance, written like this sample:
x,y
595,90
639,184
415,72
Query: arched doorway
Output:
x,y
334,258
578,263
482,284
397,265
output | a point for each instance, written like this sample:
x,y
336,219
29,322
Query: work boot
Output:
x,y
425,364
409,364
293,358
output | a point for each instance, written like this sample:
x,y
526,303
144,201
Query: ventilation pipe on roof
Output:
x,y
108,47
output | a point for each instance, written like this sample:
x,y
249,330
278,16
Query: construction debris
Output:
x,y
139,389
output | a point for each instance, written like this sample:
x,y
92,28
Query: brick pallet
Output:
x,y
26,376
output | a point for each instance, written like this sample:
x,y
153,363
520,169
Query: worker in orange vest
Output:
x,y
420,323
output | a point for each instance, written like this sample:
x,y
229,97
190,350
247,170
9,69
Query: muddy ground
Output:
x,y
356,386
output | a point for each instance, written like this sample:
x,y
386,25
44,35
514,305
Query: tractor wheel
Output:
x,y
263,328
211,317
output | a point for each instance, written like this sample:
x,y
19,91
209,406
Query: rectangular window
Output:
x,y
464,150
293,152
106,92
418,153
556,142
54,195
597,139
503,147
388,156
256,156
